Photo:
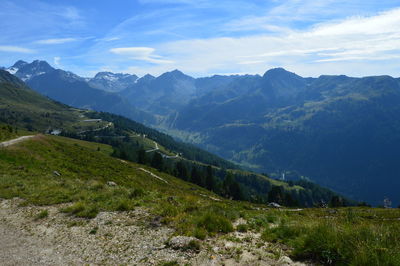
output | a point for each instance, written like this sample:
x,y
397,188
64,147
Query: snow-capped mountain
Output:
x,y
113,82
26,71
13,69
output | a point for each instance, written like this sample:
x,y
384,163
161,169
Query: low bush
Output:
x,y
214,223
136,193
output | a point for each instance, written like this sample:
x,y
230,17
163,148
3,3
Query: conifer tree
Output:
x,y
157,161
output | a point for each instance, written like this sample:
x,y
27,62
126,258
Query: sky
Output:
x,y
204,37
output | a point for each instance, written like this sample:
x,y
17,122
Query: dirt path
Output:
x,y
153,175
18,248
15,141
115,238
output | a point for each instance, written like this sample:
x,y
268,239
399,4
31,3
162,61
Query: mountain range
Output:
x,y
341,132
68,88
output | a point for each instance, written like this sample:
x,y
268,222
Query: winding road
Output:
x,y
15,141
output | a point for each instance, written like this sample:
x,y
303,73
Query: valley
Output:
x,y
276,123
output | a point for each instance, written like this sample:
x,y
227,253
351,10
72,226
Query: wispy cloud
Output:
x,y
361,39
109,39
15,49
56,41
140,53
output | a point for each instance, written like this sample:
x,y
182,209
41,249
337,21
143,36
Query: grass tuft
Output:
x,y
41,215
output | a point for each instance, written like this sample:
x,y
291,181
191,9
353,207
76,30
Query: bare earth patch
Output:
x,y
115,238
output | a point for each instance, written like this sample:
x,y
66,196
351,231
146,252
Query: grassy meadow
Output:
x,y
50,170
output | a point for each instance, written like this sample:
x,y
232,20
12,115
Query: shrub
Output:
x,y
123,205
136,193
282,233
320,244
200,233
214,223
242,228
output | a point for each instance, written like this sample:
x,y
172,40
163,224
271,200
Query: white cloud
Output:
x,y
110,39
384,23
15,49
362,39
56,41
56,61
140,53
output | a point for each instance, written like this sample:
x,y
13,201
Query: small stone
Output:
x,y
111,184
181,242
332,211
274,205
56,173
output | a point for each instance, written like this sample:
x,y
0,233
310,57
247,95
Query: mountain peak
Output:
x,y
41,63
177,74
27,71
19,64
147,77
278,72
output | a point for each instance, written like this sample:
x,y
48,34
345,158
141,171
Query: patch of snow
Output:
x,y
12,70
109,77
27,77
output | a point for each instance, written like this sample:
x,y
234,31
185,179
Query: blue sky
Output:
x,y
204,37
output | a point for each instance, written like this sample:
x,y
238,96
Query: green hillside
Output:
x,y
82,180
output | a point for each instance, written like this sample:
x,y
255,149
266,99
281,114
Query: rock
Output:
x,y
111,184
285,260
332,211
229,245
274,205
182,242
56,173
156,221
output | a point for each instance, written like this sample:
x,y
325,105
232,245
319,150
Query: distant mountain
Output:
x,y
26,71
68,88
281,122
340,131
161,95
111,82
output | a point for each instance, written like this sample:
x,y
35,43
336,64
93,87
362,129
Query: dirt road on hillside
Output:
x,y
14,141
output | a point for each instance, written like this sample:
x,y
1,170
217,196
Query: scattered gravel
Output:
x,y
115,238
